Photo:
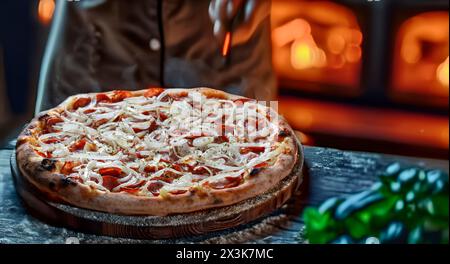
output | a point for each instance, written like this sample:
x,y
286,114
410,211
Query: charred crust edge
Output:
x,y
52,185
42,117
65,182
255,171
48,164
284,133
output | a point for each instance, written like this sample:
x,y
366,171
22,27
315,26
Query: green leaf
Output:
x,y
403,200
356,228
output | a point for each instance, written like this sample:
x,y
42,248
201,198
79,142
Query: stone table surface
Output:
x,y
328,173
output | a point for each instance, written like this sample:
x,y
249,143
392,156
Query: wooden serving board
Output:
x,y
156,227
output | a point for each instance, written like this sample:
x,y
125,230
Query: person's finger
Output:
x,y
249,10
219,31
218,14
218,25
221,12
233,6
255,13
217,9
230,9
212,9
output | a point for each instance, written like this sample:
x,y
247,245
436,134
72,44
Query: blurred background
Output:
x,y
366,75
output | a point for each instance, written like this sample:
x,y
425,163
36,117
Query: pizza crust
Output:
x,y
58,188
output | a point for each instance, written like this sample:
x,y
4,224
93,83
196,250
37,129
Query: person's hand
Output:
x,y
222,12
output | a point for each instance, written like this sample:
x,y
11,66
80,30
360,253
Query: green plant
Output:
x,y
406,205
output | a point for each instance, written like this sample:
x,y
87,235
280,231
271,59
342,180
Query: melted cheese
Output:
x,y
188,128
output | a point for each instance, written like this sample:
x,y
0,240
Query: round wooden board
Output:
x,y
156,227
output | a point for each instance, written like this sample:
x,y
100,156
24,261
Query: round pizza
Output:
x,y
156,151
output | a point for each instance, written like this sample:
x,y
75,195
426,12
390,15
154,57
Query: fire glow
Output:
x,y
421,57
316,41
442,73
46,9
342,43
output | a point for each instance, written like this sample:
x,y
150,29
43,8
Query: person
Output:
x,y
102,45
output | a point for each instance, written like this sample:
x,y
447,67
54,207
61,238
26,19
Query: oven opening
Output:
x,y
317,46
420,69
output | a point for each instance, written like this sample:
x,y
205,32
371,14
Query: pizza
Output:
x,y
156,151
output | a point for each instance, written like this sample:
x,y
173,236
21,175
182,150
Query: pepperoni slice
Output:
x,y
68,166
241,101
171,175
118,96
150,129
89,111
177,167
101,97
112,171
81,102
163,178
79,145
110,182
153,127
153,92
261,165
179,96
44,155
200,171
162,116
246,150
186,167
221,139
176,192
152,169
52,120
229,182
49,122
154,188
137,130
168,176
99,122
134,188
51,140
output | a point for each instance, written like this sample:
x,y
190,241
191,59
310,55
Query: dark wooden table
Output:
x,y
328,172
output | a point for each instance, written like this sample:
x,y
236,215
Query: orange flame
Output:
x,y
305,54
45,11
442,73
343,45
